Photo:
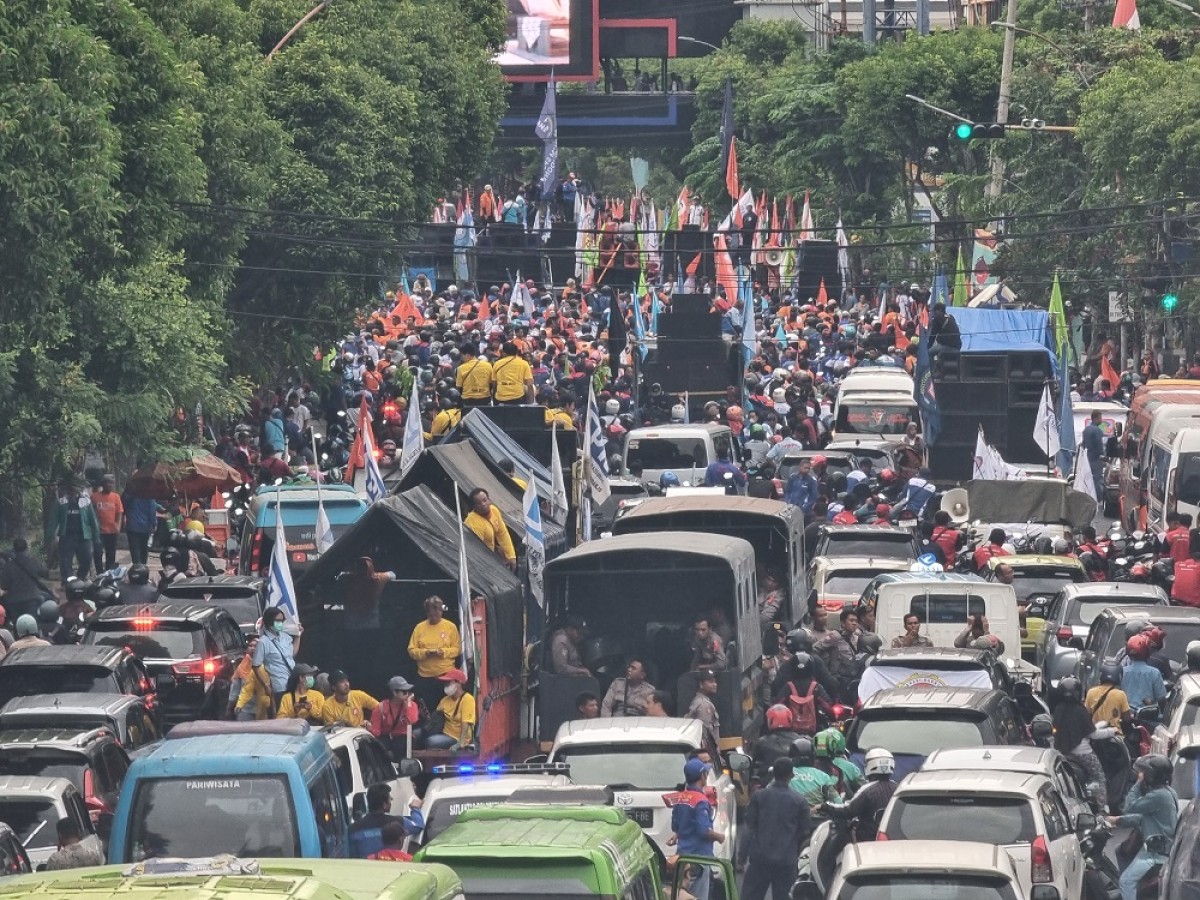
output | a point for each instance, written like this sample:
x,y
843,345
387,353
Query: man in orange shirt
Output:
x,y
111,514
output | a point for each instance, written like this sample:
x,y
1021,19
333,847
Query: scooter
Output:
x,y
1101,878
820,858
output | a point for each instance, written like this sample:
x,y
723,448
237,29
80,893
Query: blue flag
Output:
x,y
780,334
940,292
547,130
924,392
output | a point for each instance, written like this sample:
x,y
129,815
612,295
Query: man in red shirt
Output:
x,y
1186,588
1177,541
994,547
393,840
110,513
945,537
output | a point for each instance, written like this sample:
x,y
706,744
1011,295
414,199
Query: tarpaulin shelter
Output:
x,y
1034,500
415,535
445,468
1004,330
492,442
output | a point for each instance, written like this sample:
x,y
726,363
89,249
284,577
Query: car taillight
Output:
x,y
256,553
1064,635
95,806
831,605
205,668
1039,860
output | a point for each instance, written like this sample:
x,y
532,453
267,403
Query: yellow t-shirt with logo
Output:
x,y
510,376
353,711
474,379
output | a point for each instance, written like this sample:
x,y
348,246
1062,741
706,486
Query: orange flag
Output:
x,y
1107,372
731,173
725,274
822,294
405,308
694,265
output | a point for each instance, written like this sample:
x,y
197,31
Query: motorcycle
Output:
x,y
820,858
1101,877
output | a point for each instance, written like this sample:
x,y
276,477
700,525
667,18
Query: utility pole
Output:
x,y
1006,67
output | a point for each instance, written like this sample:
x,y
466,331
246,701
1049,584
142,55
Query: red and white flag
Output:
x,y
1126,15
807,226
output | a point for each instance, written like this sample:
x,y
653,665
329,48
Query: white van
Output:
x,y
943,601
875,414
876,379
1172,475
685,450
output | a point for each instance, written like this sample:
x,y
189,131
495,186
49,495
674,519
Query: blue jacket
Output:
x,y
273,433
801,491
691,820
140,514
1155,811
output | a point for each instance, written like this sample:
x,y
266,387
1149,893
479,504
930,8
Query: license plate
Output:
x,y
644,817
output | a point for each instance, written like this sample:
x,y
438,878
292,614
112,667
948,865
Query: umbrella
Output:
x,y
198,476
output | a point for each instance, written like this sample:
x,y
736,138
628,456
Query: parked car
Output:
x,y
929,869
839,580
13,859
877,541
93,761
1070,614
1181,711
126,715
1021,812
453,792
363,761
198,647
32,806
1185,755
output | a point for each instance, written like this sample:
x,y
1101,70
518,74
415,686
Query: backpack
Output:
x,y
803,708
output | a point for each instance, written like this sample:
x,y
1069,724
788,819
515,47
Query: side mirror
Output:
x,y
1085,821
409,768
1148,714
739,763
358,806
1037,610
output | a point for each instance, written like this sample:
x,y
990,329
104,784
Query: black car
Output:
x,y
94,761
75,669
243,596
198,646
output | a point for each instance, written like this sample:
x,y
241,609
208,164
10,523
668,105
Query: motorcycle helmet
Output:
x,y
1043,545
1069,688
139,573
1155,635
612,407
798,641
883,510
26,625
668,479
1138,647
829,743
171,557
878,762
76,589
1139,571
1135,628
1193,656
1041,727
803,663
1110,672
1158,769
678,412
887,476
105,596
48,612
819,460
1061,546
778,717
802,751
869,643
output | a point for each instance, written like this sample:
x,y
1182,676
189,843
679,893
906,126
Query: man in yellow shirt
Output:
x,y
512,377
474,378
487,522
448,417
344,706
434,645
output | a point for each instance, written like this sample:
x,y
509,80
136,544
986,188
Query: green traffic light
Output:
x,y
1169,302
962,131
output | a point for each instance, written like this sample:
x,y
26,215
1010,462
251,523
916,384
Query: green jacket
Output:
x,y
815,786
58,525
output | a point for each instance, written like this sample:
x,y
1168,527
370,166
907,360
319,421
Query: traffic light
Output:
x,y
965,131
1169,301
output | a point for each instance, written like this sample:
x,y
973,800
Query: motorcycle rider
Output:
x,y
799,640
777,742
815,786
866,807
1142,682
798,689
1073,730
1152,806
829,746
138,591
1107,702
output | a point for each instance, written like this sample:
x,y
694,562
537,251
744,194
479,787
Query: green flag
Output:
x,y
1058,322
960,281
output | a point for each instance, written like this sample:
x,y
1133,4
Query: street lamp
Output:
x,y
692,40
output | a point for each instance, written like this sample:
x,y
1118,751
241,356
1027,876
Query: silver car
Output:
x,y
1070,614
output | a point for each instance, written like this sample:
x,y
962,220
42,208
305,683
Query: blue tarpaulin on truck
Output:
x,y
1003,330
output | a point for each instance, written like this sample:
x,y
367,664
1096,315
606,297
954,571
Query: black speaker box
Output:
x,y
973,398
816,260
983,366
1029,365
951,463
1025,393
516,418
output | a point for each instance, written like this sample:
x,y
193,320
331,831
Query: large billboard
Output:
x,y
544,36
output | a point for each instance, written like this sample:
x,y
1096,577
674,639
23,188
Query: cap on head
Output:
x,y
457,675
399,683
694,769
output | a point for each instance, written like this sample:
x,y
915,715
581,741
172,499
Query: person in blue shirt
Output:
x,y
1141,682
692,819
802,489
917,493
715,474
141,518
274,432
275,651
366,834
1153,807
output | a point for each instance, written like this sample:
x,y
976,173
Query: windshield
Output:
x,y
874,418
149,639
1187,479
863,542
926,887
192,817
1044,582
989,820
445,812
665,453
34,821
946,609
1179,635
917,735
648,767
45,763
848,581
1085,612
21,681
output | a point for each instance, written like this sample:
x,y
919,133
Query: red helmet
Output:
x,y
1140,570
1138,647
1156,635
883,510
778,716
887,476
819,460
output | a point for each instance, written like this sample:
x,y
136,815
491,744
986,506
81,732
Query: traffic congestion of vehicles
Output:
x,y
797,660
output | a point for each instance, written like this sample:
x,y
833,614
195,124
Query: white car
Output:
x,y
1025,814
362,762
641,760
838,580
1185,757
1182,711
32,806
929,870
455,792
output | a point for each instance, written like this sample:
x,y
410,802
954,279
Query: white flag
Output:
x,y
1045,428
376,489
535,541
414,438
465,629
983,458
324,530
280,590
595,461
558,484
1084,483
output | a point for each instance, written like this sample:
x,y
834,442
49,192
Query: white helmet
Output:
x,y
779,395
612,407
878,762
677,412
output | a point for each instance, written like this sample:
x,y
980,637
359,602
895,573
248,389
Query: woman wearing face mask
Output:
x,y
457,712
302,700
275,653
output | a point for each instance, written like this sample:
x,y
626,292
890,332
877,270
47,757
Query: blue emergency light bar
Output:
x,y
496,768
